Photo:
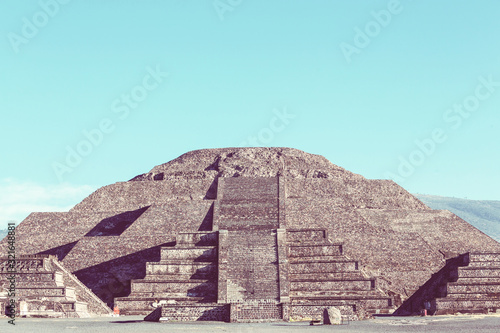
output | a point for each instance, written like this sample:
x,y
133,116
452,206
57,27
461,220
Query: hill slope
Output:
x,y
482,214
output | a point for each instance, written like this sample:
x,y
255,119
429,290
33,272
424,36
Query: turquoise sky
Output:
x,y
94,92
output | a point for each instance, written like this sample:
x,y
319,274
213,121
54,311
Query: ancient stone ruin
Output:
x,y
256,234
45,288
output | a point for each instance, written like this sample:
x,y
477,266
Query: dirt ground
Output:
x,y
455,324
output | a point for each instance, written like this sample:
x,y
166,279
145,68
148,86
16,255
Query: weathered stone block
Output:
x,y
332,316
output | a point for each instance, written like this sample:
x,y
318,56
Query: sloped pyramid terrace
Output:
x,y
248,234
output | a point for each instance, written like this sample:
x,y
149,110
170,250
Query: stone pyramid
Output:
x,y
247,234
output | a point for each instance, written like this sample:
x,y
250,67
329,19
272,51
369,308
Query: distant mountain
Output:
x,y
482,214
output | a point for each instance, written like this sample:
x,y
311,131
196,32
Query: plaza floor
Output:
x,y
455,324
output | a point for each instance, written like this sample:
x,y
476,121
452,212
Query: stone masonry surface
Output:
x,y
287,230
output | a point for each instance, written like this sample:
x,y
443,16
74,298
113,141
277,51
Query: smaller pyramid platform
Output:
x,y
468,283
45,288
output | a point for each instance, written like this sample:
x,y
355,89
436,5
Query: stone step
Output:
x,y
136,312
484,263
257,310
173,296
241,198
248,224
179,279
320,259
479,271
249,182
313,310
335,294
49,314
473,296
197,288
311,236
249,189
479,280
378,305
236,197
141,305
323,267
367,301
459,288
451,306
134,306
197,254
74,306
248,211
258,204
332,285
185,277
53,307
197,238
326,276
30,285
313,250
180,267
142,302
46,298
195,312
24,264
57,292
29,277
495,257
54,314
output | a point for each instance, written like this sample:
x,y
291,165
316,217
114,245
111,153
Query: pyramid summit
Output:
x,y
246,162
258,234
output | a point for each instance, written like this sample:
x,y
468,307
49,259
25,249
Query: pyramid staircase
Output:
x,y
182,286
322,276
468,283
252,268
46,289
251,250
